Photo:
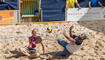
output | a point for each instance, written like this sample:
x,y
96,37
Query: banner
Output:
x,y
8,17
75,14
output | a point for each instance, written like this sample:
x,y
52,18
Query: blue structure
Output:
x,y
54,10
8,5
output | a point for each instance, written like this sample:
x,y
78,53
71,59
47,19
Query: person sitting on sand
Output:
x,y
33,47
73,45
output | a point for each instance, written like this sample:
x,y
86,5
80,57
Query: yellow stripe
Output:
x,y
49,28
43,22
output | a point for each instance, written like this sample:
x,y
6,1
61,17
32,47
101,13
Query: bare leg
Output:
x,y
22,50
34,55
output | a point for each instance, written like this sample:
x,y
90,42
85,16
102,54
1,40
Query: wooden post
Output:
x,y
19,12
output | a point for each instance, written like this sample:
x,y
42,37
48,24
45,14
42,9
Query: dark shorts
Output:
x,y
31,51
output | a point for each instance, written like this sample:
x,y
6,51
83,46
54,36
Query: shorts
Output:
x,y
31,51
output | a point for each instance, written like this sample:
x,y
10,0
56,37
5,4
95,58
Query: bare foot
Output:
x,y
34,55
22,50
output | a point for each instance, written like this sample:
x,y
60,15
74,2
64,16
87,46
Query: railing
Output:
x,y
30,8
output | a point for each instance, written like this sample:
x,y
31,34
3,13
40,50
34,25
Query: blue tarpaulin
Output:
x,y
8,5
53,10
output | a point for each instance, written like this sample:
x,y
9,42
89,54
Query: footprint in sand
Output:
x,y
99,44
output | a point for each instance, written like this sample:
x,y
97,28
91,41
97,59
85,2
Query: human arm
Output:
x,y
70,31
39,41
78,5
43,47
89,5
100,4
69,38
67,3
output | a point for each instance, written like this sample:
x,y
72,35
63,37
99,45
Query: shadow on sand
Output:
x,y
16,54
55,56
95,25
98,26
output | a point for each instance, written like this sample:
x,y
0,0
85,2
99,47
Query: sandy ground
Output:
x,y
93,48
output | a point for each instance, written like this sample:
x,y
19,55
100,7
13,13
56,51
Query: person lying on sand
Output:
x,y
73,45
34,45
